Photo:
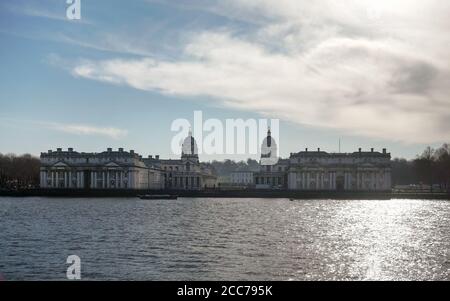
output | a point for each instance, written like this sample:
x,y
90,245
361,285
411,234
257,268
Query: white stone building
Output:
x,y
358,171
106,170
187,173
319,170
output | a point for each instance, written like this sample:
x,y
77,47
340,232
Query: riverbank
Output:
x,y
227,194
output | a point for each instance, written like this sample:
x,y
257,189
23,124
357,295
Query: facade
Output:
x,y
319,170
272,176
303,171
106,170
242,178
358,171
186,173
125,170
272,173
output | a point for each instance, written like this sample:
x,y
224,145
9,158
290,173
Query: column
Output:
x,y
103,179
333,180
350,181
363,180
330,180
322,181
44,179
130,179
108,180
374,179
357,180
92,179
345,180
307,181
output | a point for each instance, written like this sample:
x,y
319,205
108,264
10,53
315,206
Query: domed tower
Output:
x,y
189,150
269,150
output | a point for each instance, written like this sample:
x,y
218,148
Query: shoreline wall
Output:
x,y
226,194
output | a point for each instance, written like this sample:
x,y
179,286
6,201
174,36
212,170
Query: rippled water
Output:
x,y
225,239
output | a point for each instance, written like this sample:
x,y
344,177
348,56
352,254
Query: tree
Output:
x,y
442,162
19,171
424,166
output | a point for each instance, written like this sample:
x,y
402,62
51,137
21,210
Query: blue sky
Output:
x,y
119,76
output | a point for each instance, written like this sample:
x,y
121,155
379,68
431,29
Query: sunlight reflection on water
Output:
x,y
226,239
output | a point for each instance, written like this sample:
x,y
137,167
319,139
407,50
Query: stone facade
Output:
x,y
242,178
358,171
319,170
125,170
106,170
186,173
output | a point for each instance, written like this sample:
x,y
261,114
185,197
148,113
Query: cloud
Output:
x,y
376,70
82,129
75,129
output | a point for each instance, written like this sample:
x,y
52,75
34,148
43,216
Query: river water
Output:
x,y
225,239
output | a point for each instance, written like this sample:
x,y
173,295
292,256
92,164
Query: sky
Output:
x,y
371,74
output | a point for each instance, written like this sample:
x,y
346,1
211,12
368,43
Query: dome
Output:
x,y
269,150
189,147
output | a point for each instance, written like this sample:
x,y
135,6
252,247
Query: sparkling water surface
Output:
x,y
225,239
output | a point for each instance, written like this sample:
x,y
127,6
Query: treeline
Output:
x,y
432,167
228,166
19,171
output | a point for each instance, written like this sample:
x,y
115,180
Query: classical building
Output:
x,y
305,170
186,173
273,170
319,170
106,170
125,170
358,171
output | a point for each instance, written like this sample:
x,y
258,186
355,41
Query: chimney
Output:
x,y
70,149
49,151
109,149
371,150
318,150
121,150
157,157
150,156
384,151
131,152
306,149
59,149
359,149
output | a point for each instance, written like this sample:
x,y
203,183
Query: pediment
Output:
x,y
60,164
112,164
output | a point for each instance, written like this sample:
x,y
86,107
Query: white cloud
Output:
x,y
378,71
81,129
76,129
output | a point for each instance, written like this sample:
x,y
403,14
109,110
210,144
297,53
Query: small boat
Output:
x,y
158,197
